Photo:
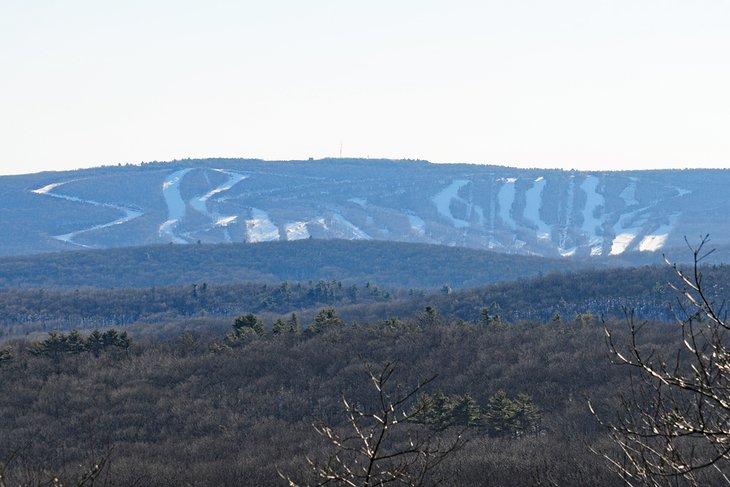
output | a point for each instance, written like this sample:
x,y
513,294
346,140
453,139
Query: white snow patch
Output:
x,y
626,230
296,231
494,244
417,224
175,205
656,239
621,242
596,245
442,200
356,233
533,197
654,242
568,252
506,197
224,221
47,188
259,228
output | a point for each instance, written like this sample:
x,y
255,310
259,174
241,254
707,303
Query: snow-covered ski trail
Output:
x,y
129,213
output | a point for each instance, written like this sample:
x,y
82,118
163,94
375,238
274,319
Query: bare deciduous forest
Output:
x,y
193,410
470,394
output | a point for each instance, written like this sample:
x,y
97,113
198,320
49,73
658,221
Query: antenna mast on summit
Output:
x,y
340,149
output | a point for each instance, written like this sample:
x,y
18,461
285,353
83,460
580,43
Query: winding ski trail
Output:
x,y
129,213
200,203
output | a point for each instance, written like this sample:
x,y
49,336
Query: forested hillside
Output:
x,y
193,410
644,291
388,264
25,311
588,295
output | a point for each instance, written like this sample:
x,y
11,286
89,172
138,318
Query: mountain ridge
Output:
x,y
547,212
390,264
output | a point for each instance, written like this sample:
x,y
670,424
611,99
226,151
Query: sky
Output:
x,y
573,84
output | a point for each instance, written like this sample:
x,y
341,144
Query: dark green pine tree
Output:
x,y
325,320
465,411
109,338
6,354
424,409
293,324
75,343
250,321
54,346
527,417
500,416
279,327
123,341
94,342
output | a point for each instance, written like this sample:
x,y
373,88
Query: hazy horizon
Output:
x,y
516,166
566,84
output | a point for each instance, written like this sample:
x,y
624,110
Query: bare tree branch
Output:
x,y
674,426
384,447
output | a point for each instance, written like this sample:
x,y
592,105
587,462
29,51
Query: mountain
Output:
x,y
526,211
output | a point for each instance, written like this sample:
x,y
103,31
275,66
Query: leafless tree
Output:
x,y
87,476
674,424
383,446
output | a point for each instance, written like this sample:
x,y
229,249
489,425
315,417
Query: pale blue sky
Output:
x,y
585,84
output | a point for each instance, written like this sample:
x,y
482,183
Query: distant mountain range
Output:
x,y
525,211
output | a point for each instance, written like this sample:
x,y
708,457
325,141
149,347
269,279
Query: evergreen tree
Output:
x,y
109,338
238,337
501,413
528,414
54,346
326,319
6,354
279,327
94,342
442,411
485,319
429,317
124,341
251,321
75,343
424,409
293,324
465,411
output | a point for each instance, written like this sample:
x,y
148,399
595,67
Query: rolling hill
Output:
x,y
525,211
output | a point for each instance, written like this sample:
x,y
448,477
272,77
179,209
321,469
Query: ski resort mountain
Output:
x,y
526,211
